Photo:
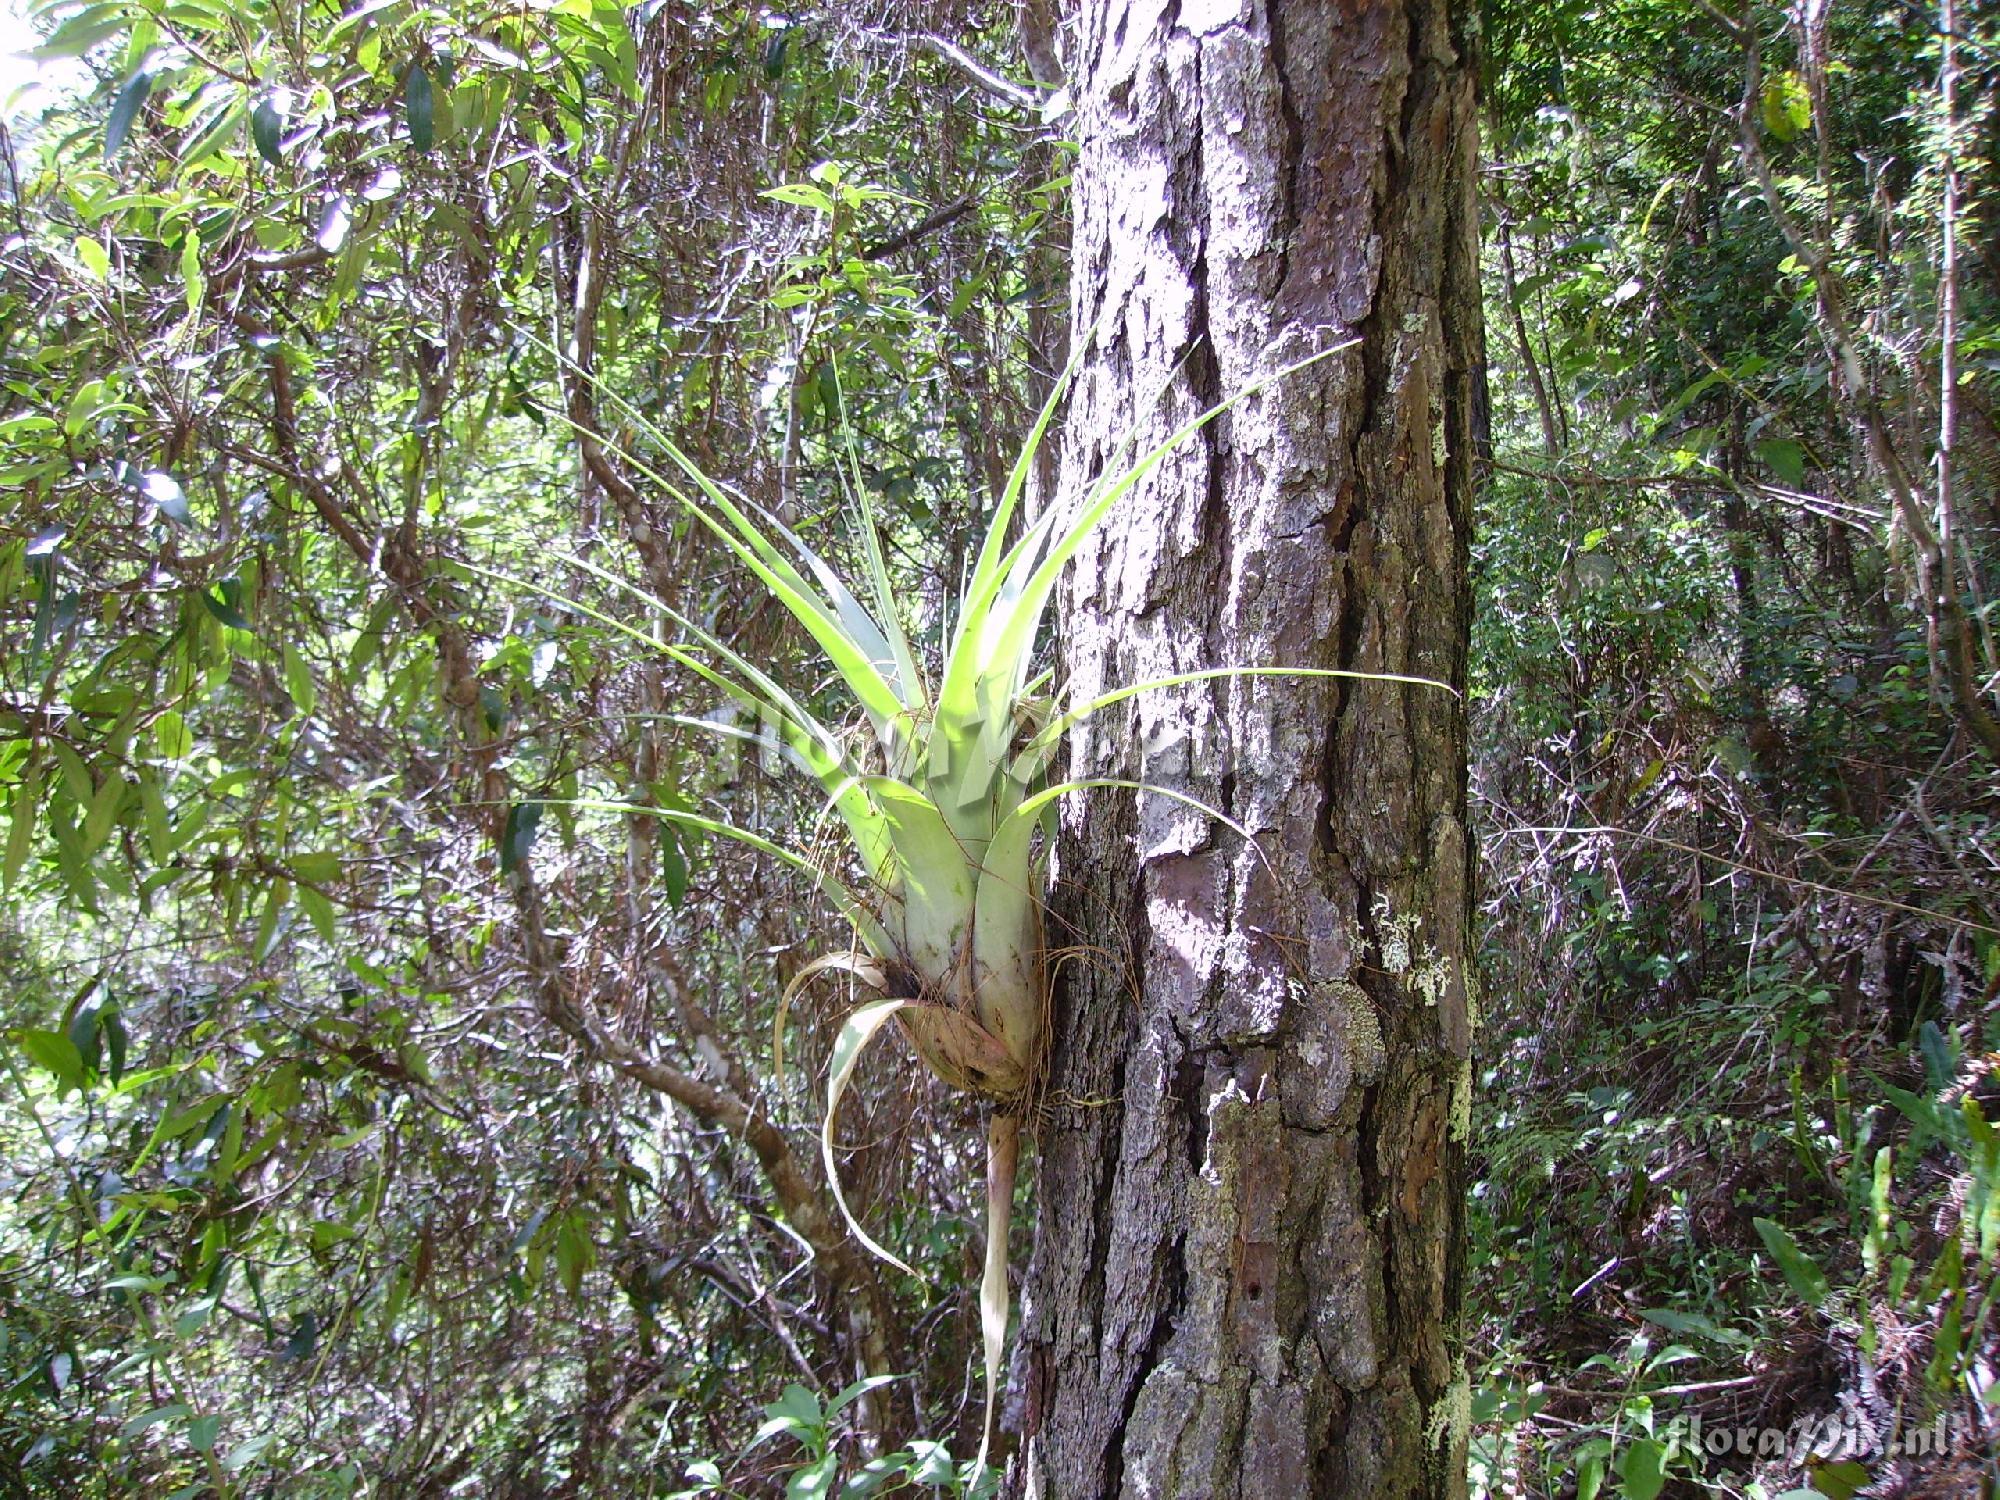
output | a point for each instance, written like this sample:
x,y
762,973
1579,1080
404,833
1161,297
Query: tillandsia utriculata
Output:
x,y
942,818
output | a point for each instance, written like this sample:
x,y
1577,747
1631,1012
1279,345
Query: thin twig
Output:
x,y
1606,831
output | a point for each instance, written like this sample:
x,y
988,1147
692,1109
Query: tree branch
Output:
x,y
1004,89
930,224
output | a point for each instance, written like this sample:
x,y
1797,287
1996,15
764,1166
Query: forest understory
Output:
x,y
388,1098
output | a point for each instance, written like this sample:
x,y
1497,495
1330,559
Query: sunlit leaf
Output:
x,y
335,222
55,1052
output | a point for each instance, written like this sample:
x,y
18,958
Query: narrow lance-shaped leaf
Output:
x,y
224,601
1801,1270
846,794
861,663
988,570
1017,635
859,668
741,535
125,109
878,566
419,106
803,738
22,810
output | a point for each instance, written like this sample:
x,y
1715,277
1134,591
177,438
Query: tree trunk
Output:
x,y
1246,1271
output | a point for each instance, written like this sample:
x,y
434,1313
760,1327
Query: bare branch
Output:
x,y
1004,89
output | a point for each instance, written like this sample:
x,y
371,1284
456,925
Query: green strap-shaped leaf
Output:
x,y
1024,618
858,667
845,793
807,742
878,566
21,822
988,570
523,818
1801,1270
861,664
225,601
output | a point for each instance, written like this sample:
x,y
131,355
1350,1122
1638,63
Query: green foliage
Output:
x,y
310,1183
385,939
1735,811
800,1417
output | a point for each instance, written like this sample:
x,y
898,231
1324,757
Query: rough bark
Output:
x,y
1246,1271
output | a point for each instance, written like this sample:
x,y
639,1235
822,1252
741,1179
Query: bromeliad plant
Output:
x,y
943,818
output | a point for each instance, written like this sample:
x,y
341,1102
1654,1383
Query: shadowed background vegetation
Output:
x,y
376,1119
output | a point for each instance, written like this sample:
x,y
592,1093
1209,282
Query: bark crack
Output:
x,y
1150,1358
1292,145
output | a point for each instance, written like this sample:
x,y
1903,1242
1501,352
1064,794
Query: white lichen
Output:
x,y
1396,930
1426,971
1432,977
